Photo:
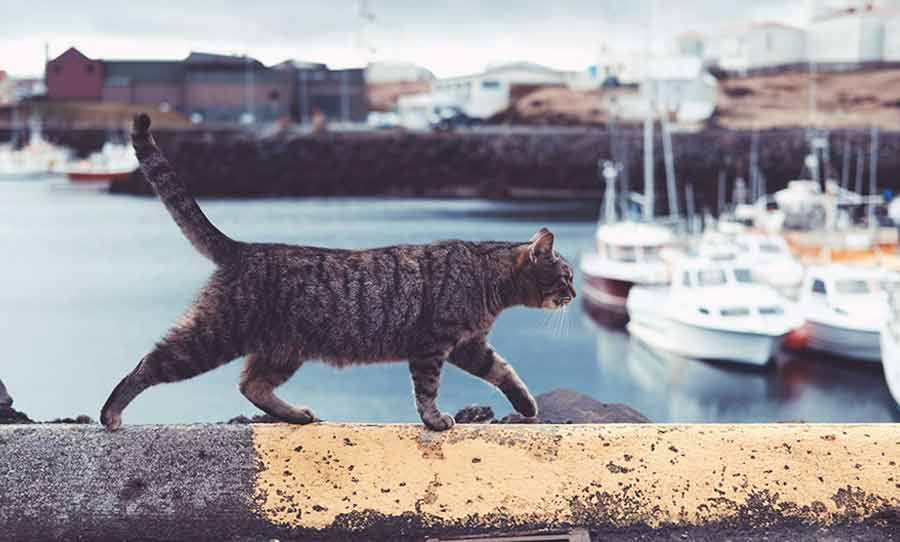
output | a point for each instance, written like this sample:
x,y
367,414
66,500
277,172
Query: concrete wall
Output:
x,y
401,482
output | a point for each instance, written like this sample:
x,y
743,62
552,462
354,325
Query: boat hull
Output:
x,y
697,342
861,345
610,294
890,359
98,177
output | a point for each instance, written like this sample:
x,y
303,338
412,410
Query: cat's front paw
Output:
x,y
522,401
441,422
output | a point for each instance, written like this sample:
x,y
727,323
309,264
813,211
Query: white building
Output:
x,y
755,46
396,72
847,37
676,85
491,91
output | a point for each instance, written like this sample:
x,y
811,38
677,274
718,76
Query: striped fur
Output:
x,y
281,305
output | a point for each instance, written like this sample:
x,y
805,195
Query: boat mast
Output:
x,y
669,161
873,174
648,154
648,123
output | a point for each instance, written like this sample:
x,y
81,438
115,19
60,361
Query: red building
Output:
x,y
73,76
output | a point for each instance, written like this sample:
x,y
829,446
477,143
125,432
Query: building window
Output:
x,y
57,68
274,94
89,68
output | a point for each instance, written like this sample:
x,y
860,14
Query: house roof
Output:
x,y
507,66
215,59
72,51
886,11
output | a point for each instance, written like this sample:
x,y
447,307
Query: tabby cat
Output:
x,y
281,305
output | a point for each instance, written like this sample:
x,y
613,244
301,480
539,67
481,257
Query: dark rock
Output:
x,y
5,399
9,415
475,414
567,406
240,420
81,420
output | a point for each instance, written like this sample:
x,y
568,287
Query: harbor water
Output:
x,y
89,281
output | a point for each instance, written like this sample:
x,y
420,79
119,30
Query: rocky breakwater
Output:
x,y
493,162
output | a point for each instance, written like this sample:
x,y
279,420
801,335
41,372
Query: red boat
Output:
x,y
99,176
628,253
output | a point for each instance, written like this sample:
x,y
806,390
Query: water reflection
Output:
x,y
797,387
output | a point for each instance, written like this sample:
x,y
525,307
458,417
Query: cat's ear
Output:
x,y
540,245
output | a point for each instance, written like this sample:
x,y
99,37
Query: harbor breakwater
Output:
x,y
495,162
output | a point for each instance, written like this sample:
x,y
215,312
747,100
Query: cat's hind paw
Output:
x,y
441,422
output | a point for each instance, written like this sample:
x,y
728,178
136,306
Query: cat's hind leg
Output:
x,y
195,346
261,375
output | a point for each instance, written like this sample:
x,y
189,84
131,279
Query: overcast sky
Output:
x,y
450,37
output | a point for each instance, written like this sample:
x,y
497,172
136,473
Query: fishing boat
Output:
x,y
712,311
819,217
626,253
890,345
114,162
37,158
845,308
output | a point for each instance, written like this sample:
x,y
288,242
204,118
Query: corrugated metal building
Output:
x,y
213,88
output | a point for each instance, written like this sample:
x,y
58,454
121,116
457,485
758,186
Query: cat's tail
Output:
x,y
206,238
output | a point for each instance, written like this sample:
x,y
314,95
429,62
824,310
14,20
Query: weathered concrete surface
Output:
x,y
396,482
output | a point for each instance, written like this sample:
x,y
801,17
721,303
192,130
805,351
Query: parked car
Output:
x,y
448,118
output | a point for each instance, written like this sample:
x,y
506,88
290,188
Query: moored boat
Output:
x,y
712,311
845,309
628,254
890,346
114,162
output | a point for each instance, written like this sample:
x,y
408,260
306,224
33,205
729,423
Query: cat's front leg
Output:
x,y
426,378
478,358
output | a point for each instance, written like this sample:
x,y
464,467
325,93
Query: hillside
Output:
x,y
844,100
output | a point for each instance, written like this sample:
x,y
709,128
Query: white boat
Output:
x,y
628,254
37,158
768,256
114,162
845,308
890,346
712,311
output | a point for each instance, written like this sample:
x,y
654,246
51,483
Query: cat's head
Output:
x,y
546,273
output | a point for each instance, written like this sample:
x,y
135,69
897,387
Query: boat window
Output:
x,y
818,287
711,277
769,248
743,276
686,279
852,287
623,253
653,254
769,311
735,311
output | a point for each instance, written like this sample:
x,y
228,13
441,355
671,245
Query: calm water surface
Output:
x,y
88,282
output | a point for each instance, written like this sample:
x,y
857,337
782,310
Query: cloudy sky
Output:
x,y
450,37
